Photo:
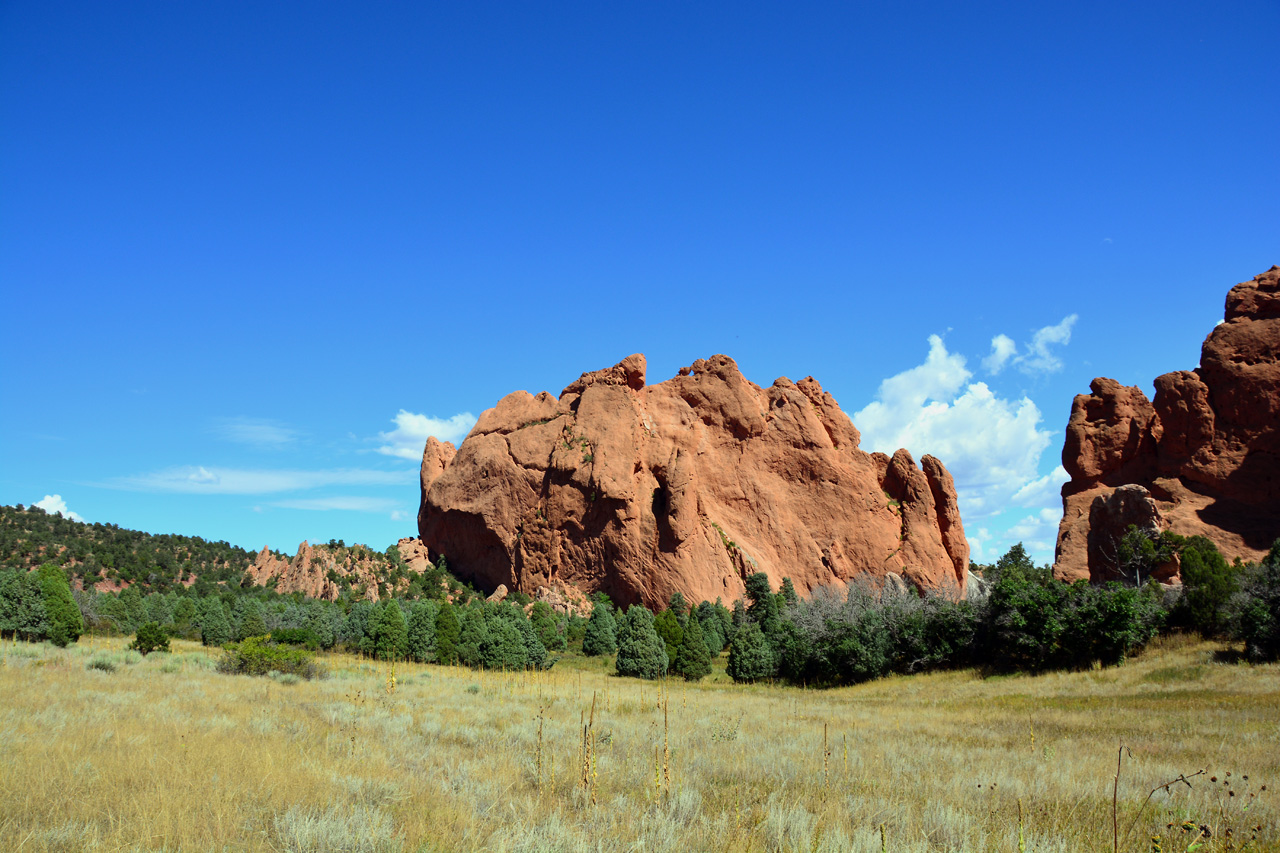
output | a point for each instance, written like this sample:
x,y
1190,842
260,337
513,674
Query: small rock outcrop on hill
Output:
x,y
688,485
323,571
1203,458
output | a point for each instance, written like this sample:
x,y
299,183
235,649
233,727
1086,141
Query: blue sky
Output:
x,y
251,254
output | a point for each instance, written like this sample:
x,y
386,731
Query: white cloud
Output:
x,y
257,432
346,503
1046,491
55,505
410,435
240,481
1039,357
1038,532
1002,349
991,445
399,515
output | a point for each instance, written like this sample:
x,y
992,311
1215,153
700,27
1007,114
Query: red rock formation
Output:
x,y
309,571
1206,451
644,490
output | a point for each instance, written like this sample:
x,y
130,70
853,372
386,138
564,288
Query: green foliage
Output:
x,y
787,593
750,656
601,637
304,637
150,638
1257,607
390,632
641,652
679,607
693,659
64,621
1208,583
544,622
764,608
1139,553
260,656
668,627
448,633
422,631
215,628
249,621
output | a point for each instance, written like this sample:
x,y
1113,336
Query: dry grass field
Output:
x,y
166,754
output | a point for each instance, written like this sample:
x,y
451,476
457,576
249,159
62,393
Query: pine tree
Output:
x,y
601,637
65,623
693,660
392,641
215,628
422,631
448,632
641,652
750,656
668,627
249,618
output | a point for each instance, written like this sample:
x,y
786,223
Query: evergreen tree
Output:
x,y
787,594
473,637
319,623
392,641
668,628
693,660
31,619
184,616
249,620
501,646
677,605
65,624
713,629
10,595
448,632
750,656
536,656
422,631
601,637
641,652
133,609
543,620
215,628
1208,582
1258,608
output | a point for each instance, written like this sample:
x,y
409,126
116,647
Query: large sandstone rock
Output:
x,y
688,485
1205,453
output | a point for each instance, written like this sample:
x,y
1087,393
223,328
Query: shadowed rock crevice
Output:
x,y
687,485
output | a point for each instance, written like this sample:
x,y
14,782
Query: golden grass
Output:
x,y
166,754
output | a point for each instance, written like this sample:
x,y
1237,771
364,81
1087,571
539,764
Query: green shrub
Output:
x,y
304,637
150,638
259,656
102,663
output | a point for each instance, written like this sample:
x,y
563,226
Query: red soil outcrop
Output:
x,y
1203,458
687,485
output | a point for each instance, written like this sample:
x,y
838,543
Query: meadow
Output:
x,y
103,750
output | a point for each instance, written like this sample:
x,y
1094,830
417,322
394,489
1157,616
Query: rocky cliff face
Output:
x,y
687,485
1203,458
322,571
